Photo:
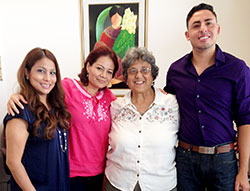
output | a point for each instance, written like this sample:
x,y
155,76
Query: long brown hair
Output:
x,y
55,98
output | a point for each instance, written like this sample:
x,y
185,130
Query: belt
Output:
x,y
207,150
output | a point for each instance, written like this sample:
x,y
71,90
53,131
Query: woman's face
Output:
x,y
42,77
139,77
100,73
116,20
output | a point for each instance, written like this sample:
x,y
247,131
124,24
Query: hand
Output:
x,y
13,101
236,149
241,182
162,91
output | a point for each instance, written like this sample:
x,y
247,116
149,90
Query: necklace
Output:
x,y
61,141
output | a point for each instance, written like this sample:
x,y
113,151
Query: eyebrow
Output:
x,y
195,22
136,68
49,69
104,67
209,19
199,22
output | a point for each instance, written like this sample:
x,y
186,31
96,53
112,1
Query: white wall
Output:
x,y
54,24
25,24
167,24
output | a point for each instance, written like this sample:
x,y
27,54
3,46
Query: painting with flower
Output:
x,y
126,38
120,34
118,24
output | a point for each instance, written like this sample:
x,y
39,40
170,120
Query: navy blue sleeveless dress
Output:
x,y
45,161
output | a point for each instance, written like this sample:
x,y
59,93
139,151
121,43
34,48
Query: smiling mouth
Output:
x,y
139,82
204,37
45,86
101,81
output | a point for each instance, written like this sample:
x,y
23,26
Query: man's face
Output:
x,y
203,30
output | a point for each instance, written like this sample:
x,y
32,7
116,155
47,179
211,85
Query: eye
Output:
x,y
110,72
99,68
196,26
145,70
53,73
41,70
132,71
209,23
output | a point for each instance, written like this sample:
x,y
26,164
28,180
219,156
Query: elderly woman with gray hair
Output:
x,y
144,130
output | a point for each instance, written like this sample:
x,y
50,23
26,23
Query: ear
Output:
x,y
187,35
87,67
27,75
218,30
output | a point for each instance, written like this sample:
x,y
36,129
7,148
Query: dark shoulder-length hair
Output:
x,y
92,58
55,98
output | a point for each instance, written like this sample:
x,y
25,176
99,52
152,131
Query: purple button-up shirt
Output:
x,y
209,103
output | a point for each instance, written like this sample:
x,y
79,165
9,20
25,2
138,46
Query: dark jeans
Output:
x,y
92,183
200,172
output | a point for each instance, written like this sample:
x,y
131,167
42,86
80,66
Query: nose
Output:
x,y
47,76
104,74
203,28
138,74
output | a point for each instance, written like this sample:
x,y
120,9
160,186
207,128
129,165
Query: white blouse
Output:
x,y
142,147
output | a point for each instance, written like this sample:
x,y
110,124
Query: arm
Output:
x,y
13,101
16,137
169,87
244,153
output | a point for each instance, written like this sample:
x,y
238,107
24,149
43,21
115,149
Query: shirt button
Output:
x,y
198,96
139,146
137,175
198,80
203,126
140,131
138,161
140,118
199,111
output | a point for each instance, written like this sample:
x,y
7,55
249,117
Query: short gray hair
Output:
x,y
139,53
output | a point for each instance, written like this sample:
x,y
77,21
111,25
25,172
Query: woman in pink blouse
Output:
x,y
88,100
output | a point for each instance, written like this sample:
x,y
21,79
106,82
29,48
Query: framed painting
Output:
x,y
118,24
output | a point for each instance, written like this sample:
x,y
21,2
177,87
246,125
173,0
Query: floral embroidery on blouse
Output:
x,y
161,114
157,113
100,114
125,114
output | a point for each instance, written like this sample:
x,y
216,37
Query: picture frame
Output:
x,y
92,23
120,92
119,24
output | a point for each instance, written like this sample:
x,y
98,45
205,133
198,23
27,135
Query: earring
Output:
x,y
87,75
27,78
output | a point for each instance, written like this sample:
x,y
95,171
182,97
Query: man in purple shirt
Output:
x,y
213,90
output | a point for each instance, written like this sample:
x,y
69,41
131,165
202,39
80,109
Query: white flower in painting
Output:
x,y
129,21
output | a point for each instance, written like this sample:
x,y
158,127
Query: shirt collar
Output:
x,y
98,96
127,98
219,58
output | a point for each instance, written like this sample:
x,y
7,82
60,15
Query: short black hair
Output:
x,y
202,6
116,9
